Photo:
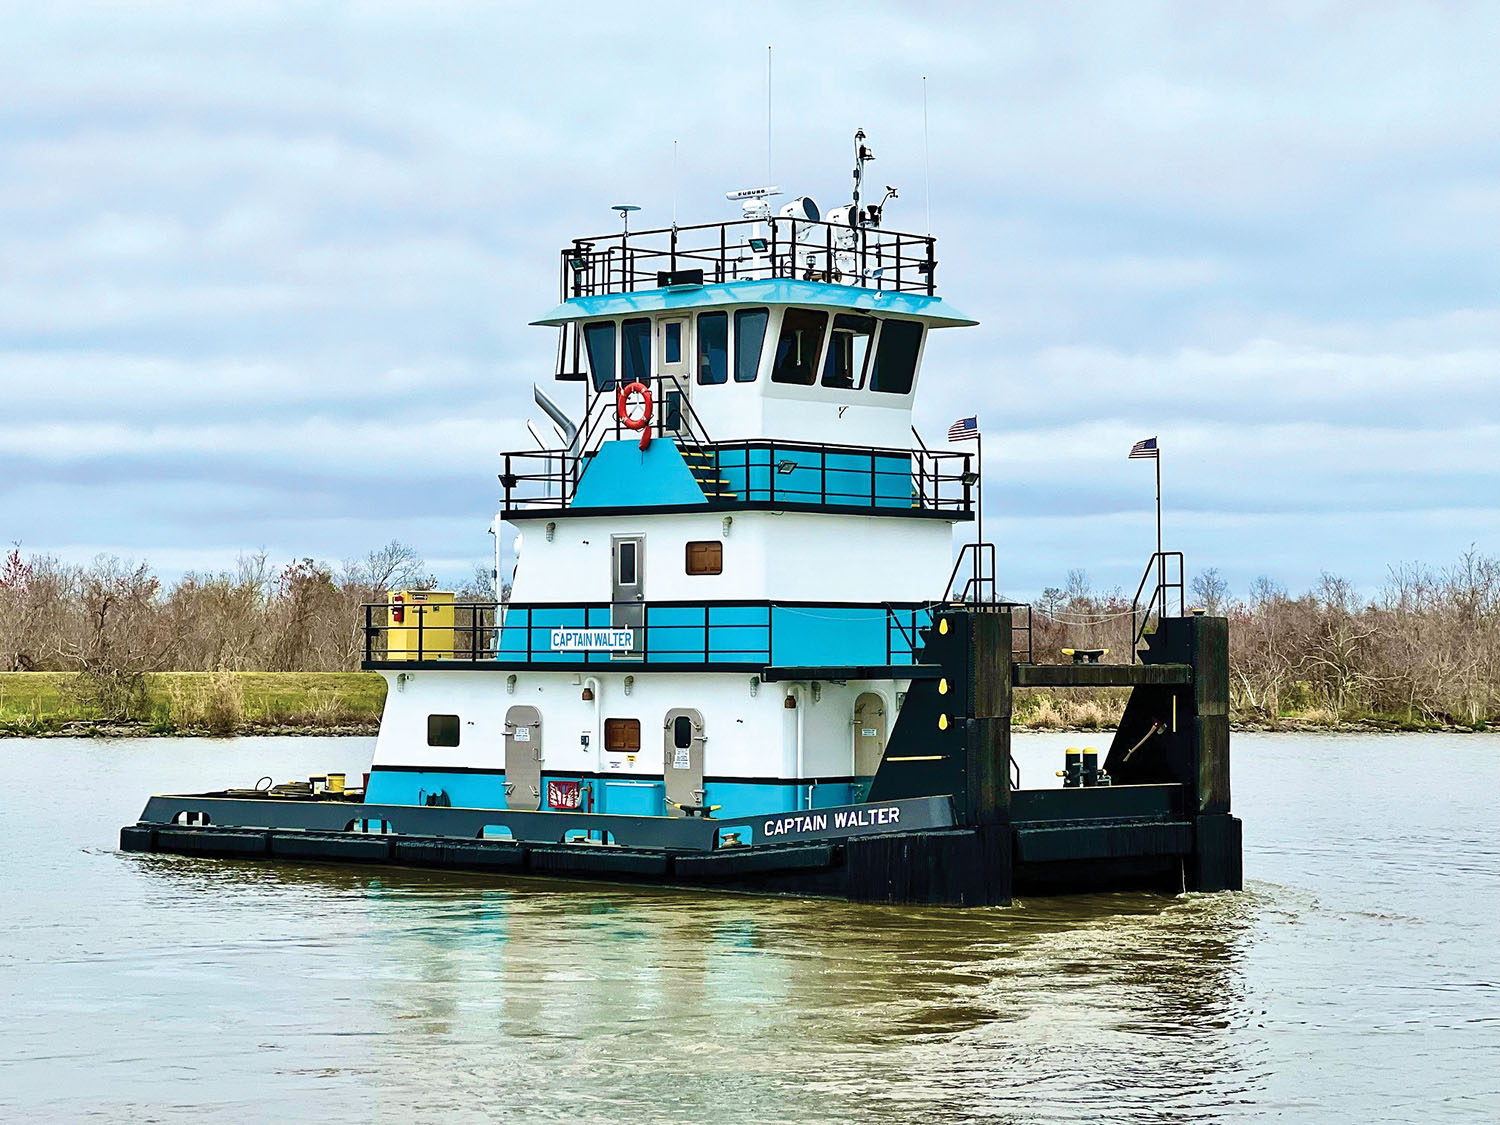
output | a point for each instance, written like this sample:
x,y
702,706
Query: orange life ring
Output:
x,y
624,395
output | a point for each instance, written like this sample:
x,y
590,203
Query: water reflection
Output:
x,y
1115,1005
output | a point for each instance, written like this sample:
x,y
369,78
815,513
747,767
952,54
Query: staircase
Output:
x,y
704,466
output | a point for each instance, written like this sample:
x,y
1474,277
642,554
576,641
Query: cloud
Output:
x,y
266,271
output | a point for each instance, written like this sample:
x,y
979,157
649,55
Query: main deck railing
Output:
x,y
749,250
722,633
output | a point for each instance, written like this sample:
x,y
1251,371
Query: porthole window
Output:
x,y
622,736
682,732
706,557
442,730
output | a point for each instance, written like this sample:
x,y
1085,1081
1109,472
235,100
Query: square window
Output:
x,y
706,557
442,730
623,736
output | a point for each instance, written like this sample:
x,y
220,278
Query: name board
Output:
x,y
593,640
909,815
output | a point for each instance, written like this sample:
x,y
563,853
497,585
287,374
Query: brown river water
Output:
x,y
1357,979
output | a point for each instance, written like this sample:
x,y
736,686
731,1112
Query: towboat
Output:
x,y
740,648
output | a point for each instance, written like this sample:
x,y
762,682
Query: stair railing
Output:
x,y
1161,567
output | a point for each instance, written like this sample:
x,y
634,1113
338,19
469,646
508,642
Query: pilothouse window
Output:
x,y
895,364
845,366
749,337
635,351
599,339
713,348
799,346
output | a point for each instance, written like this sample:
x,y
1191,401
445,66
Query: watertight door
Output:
x,y
682,754
674,348
628,578
523,758
869,741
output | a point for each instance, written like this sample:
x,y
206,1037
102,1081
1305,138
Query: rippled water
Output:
x,y
1354,981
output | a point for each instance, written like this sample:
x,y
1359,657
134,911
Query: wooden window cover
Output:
x,y
622,735
705,557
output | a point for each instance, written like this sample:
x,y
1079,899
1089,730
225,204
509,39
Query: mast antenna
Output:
x,y
768,113
926,161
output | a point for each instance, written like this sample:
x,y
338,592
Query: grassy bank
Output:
x,y
1085,709
174,703
228,703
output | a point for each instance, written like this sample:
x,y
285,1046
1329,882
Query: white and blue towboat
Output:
x,y
736,650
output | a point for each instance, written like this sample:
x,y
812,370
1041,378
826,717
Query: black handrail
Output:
x,y
744,249
981,580
933,480
1140,616
481,636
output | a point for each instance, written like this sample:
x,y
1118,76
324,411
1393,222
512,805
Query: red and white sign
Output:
x,y
564,794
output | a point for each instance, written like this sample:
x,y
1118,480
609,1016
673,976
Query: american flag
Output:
x,y
1145,450
965,429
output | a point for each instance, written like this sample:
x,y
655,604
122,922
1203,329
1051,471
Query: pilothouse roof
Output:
x,y
933,311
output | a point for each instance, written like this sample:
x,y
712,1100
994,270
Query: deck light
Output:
x,y
970,477
588,695
785,467
759,245
578,262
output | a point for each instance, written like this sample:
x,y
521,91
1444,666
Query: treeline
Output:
x,y
1424,650
114,623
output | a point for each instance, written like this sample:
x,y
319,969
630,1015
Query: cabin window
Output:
x,y
895,365
623,736
845,366
706,557
442,730
797,349
713,348
599,339
749,336
682,732
671,339
635,351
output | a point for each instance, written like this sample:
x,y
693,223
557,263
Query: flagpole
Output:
x,y
1161,563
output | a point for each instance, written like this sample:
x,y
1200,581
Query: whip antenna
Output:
x,y
768,113
926,162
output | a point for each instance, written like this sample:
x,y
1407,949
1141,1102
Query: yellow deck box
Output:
x,y
421,625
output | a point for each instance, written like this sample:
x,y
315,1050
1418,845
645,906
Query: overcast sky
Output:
x,y
265,276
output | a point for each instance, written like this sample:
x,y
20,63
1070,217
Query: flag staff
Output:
x,y
967,429
1150,449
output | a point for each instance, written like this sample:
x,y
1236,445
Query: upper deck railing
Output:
x,y
750,250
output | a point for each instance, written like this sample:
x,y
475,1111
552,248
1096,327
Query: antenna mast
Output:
x,y
926,162
768,113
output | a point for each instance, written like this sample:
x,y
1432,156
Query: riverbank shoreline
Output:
x,y
349,704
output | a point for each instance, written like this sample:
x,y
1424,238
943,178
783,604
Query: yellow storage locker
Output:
x,y
421,625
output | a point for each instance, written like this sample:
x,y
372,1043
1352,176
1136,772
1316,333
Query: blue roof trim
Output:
x,y
779,291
